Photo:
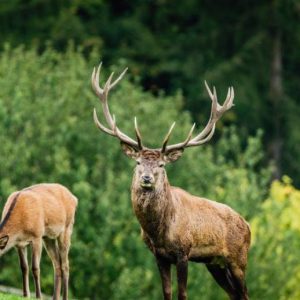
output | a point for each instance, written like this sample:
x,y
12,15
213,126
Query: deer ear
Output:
x,y
130,151
173,155
3,241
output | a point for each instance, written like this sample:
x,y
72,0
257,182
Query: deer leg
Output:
x,y
182,274
238,275
22,251
165,273
224,278
36,259
52,250
64,246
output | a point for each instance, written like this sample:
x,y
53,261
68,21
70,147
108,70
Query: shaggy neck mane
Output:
x,y
153,208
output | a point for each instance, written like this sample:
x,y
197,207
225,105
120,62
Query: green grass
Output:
x,y
10,297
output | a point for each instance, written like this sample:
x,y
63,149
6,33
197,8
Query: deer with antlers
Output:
x,y
42,213
177,226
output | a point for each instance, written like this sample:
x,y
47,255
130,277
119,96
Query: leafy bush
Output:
x,y
275,269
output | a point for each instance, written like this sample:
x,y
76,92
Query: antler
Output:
x,y
206,134
102,95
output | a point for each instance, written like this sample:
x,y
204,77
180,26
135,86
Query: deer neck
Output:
x,y
154,209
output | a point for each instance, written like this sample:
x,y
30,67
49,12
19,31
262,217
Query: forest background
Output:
x,y
48,51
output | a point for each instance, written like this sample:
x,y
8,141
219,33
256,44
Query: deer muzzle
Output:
x,y
147,181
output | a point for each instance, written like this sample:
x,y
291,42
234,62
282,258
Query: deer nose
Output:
x,y
146,178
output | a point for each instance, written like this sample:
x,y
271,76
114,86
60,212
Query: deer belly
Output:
x,y
23,239
207,243
204,251
210,247
53,231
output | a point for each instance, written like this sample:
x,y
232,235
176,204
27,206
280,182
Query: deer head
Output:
x,y
150,172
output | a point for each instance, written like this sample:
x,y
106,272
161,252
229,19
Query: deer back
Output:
x,y
34,209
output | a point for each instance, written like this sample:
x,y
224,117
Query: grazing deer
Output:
x,y
42,212
177,226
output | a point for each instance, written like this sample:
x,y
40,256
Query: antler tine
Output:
x,y
97,76
190,134
106,88
208,90
183,144
107,83
215,93
213,97
228,96
219,107
208,137
138,134
100,125
123,137
95,82
166,139
119,78
229,103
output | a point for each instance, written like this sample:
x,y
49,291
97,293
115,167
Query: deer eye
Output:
x,y
161,165
138,162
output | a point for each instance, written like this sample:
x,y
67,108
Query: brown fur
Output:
x,y
43,212
178,227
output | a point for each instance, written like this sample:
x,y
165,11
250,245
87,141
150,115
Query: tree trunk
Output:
x,y
276,99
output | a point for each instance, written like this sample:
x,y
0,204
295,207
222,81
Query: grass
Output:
x,y
10,297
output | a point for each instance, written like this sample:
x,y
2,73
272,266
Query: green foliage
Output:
x,y
47,134
275,247
176,45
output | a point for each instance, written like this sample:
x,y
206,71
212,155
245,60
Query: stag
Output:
x,y
177,226
37,214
